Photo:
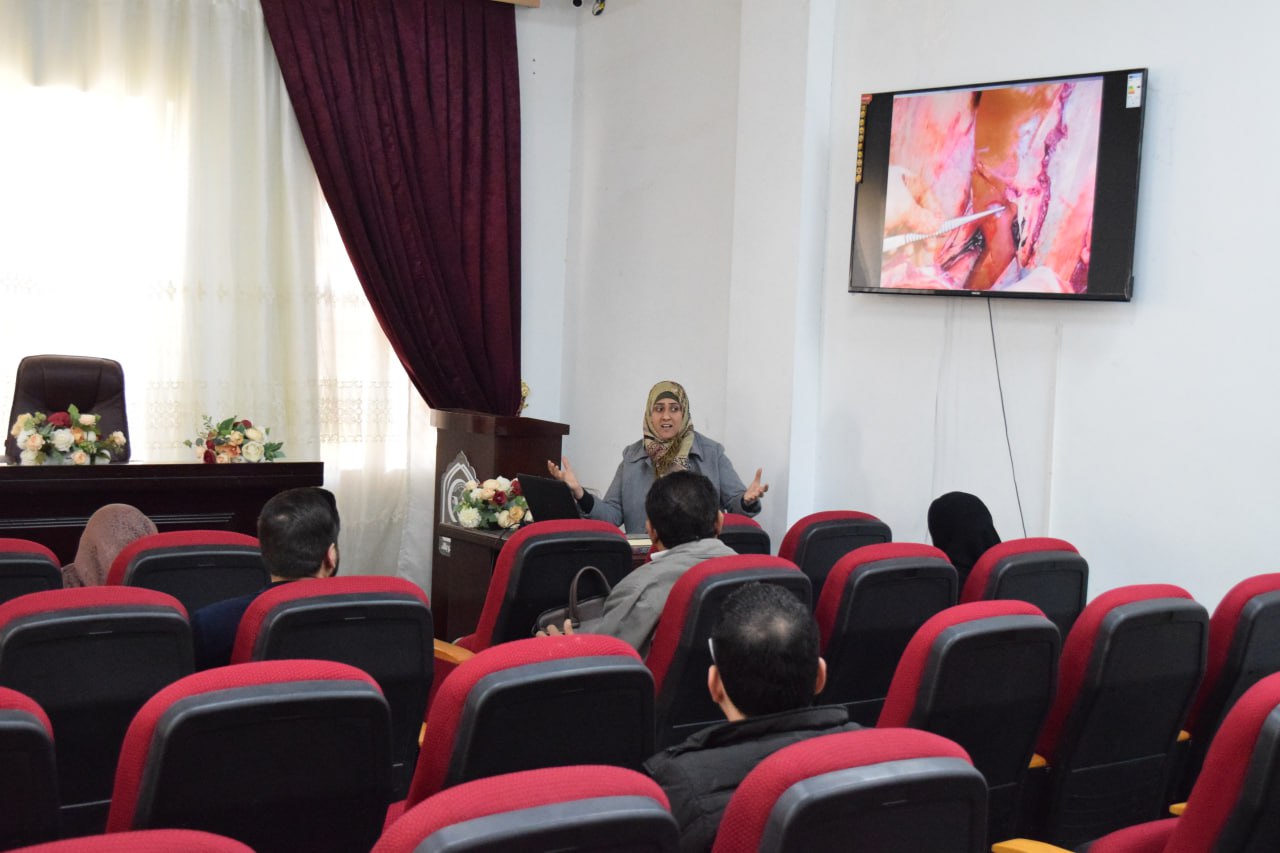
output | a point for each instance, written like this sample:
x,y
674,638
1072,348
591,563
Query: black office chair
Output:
x,y
51,383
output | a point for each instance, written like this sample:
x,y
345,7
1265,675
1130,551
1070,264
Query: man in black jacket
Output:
x,y
764,676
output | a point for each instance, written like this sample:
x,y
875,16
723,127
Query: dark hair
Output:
x,y
682,507
295,530
766,648
960,525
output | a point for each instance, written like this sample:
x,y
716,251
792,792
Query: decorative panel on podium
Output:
x,y
494,445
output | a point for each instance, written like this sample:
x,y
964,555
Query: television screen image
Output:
x,y
1026,188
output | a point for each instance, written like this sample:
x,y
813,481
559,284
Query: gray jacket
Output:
x,y
632,609
623,504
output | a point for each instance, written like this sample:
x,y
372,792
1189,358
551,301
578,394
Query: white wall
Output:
x,y
1140,432
708,241
651,220
547,43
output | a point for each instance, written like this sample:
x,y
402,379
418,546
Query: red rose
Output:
x,y
515,488
209,457
59,419
247,424
500,498
209,444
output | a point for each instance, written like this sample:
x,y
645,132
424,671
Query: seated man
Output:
x,y
298,533
683,521
765,674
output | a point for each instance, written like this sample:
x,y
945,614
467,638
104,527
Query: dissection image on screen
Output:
x,y
993,189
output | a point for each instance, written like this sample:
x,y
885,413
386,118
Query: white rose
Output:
x,y
34,441
504,519
490,485
253,434
503,484
29,457
80,457
485,494
17,428
469,516
252,451
62,440
88,420
470,484
118,439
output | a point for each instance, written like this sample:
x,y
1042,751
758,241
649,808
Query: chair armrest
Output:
x,y
1025,845
449,653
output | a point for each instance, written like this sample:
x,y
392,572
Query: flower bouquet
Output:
x,y
64,438
234,440
493,503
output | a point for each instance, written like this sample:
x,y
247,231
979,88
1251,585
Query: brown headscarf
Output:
x,y
672,455
109,530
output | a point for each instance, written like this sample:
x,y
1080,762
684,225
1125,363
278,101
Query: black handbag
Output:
x,y
578,609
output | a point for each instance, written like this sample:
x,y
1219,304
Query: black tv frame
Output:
x,y
1115,197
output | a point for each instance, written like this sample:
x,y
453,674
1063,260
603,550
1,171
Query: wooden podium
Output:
x,y
495,445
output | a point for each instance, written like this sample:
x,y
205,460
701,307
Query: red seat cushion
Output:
x,y
446,708
1078,648
904,690
1222,628
832,594
137,741
975,587
173,539
512,792
791,542
748,812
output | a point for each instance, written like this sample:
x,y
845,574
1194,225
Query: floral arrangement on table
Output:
x,y
493,503
234,440
64,438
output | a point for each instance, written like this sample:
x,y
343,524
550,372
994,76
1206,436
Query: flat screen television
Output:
x,y
1027,188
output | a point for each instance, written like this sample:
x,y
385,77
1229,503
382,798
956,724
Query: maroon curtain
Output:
x,y
411,112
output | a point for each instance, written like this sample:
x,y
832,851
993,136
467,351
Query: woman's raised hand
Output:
x,y
756,489
564,473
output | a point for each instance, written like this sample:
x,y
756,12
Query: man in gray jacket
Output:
x,y
683,521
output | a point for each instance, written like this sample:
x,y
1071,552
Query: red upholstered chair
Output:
x,y
744,535
1235,805
875,790
381,625
28,774
144,841
815,542
26,566
1043,571
1129,669
51,383
873,601
679,656
982,674
1244,647
91,657
197,567
582,808
538,702
281,755
534,571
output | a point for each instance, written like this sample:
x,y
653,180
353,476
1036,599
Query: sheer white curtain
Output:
x,y
160,208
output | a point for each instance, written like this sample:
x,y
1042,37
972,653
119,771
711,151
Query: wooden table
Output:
x,y
50,504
